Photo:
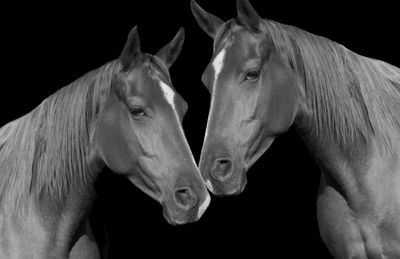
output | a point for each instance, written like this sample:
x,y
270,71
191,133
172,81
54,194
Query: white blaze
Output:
x,y
169,96
217,64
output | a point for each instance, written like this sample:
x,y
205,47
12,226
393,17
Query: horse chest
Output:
x,y
359,215
31,236
22,238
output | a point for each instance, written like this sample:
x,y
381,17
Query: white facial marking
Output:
x,y
203,206
217,64
169,96
209,185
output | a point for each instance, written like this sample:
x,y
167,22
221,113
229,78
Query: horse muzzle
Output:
x,y
185,206
223,179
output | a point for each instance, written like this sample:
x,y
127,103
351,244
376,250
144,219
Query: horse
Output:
x,y
264,77
125,116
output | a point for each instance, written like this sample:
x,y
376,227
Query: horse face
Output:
x,y
140,134
253,99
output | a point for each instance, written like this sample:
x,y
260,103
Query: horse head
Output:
x,y
139,131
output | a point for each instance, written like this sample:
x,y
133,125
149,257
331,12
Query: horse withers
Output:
x,y
264,77
125,115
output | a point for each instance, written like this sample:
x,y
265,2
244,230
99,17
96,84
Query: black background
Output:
x,y
46,47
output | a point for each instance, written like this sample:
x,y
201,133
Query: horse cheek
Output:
x,y
112,145
282,102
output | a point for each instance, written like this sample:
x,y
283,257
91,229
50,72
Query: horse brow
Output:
x,y
159,66
225,31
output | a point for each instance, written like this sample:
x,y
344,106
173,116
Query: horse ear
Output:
x,y
171,51
131,49
208,22
247,14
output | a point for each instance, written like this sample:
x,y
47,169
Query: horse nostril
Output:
x,y
185,198
222,169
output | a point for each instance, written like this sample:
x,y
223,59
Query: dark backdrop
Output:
x,y
46,47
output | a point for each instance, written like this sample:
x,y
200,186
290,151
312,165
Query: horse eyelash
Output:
x,y
252,70
132,109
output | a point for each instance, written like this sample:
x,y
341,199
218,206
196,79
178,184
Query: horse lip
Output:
x,y
169,218
166,215
209,185
203,206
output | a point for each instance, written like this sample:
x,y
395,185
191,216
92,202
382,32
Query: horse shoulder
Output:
x,y
359,204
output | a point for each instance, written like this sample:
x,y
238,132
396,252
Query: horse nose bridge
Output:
x,y
204,162
221,115
178,156
212,150
179,147
208,145
189,177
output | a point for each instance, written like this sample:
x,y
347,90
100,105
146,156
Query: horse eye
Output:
x,y
252,75
137,112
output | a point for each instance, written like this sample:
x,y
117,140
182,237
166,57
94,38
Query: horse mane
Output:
x,y
352,97
45,153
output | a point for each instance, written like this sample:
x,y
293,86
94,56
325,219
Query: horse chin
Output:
x,y
175,216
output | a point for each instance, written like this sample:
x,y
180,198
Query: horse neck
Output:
x,y
348,98
49,158
79,163
344,163
349,111
332,111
